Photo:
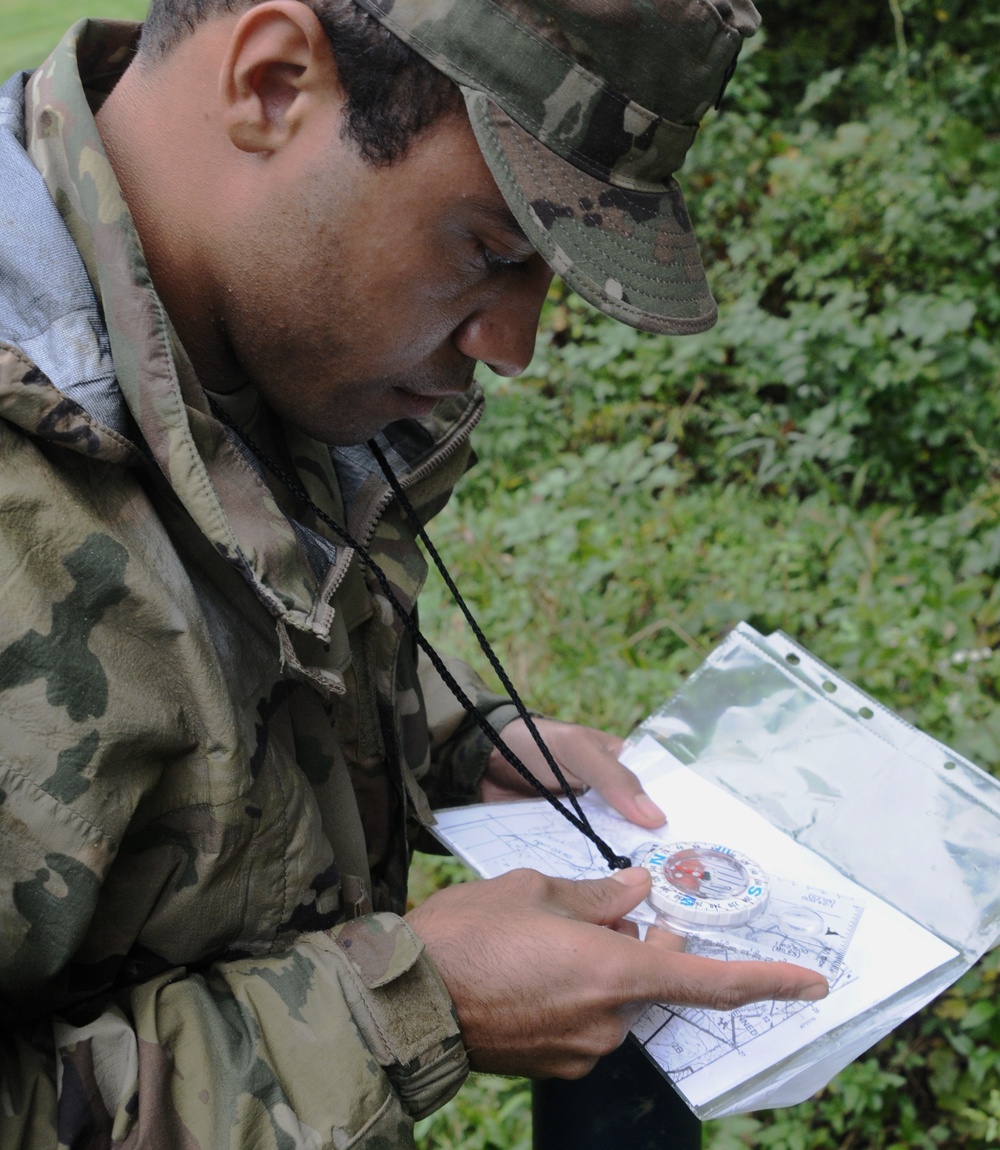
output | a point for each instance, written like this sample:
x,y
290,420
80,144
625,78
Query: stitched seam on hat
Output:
x,y
596,84
625,308
604,175
615,241
602,172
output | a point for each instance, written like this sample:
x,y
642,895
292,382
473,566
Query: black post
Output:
x,y
624,1103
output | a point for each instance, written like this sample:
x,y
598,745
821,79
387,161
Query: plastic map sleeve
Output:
x,y
770,753
709,1054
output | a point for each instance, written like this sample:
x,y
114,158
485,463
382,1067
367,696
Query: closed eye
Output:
x,y
495,262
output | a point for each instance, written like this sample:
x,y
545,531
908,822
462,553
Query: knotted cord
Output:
x,y
576,816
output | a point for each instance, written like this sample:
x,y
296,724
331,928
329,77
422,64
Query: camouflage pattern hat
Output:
x,y
584,110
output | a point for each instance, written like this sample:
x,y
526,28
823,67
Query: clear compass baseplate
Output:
x,y
702,886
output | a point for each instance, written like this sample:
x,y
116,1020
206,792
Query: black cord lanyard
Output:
x,y
576,816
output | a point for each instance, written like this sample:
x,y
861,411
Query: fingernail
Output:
x,y
815,992
649,808
634,876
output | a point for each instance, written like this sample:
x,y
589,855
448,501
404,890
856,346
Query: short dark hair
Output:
x,y
393,93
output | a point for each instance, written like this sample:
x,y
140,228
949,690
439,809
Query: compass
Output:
x,y
703,885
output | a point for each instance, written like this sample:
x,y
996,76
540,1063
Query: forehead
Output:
x,y
445,162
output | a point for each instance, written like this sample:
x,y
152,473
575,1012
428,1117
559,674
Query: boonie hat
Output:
x,y
584,110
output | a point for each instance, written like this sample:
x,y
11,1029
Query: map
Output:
x,y
684,1041
866,949
801,924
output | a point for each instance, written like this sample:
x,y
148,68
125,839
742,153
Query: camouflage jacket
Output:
x,y
215,751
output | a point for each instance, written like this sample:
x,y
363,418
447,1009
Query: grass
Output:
x,y
684,544
32,28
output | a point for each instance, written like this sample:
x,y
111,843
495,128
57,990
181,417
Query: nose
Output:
x,y
501,332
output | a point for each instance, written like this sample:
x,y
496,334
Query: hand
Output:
x,y
586,757
542,986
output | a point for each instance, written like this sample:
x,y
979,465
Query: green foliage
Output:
x,y
31,28
588,578
850,356
850,352
874,43
489,1114
822,462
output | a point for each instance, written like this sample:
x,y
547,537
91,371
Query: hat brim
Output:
x,y
631,254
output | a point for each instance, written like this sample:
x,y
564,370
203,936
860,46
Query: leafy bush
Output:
x,y
849,356
849,350
821,462
873,42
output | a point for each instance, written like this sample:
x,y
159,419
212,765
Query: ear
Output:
x,y
277,70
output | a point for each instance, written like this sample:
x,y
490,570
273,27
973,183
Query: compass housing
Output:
x,y
706,886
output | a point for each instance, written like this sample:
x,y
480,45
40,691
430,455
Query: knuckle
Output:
x,y
625,774
578,1068
599,899
736,993
527,884
610,1039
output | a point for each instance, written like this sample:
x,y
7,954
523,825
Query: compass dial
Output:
x,y
703,885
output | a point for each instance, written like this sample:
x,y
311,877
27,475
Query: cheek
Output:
x,y
366,304
417,279
405,318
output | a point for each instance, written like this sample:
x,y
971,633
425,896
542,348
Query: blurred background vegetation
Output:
x,y
825,461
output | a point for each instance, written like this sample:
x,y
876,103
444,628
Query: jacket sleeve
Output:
x,y
334,1038
342,1037
459,749
343,1040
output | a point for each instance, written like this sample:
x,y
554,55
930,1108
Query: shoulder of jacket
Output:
x,y
30,401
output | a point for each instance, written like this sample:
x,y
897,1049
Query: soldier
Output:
x,y
233,251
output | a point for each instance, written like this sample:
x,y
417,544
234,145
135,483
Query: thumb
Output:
x,y
602,901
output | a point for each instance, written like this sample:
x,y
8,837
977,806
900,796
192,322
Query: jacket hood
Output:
x,y
109,377
47,305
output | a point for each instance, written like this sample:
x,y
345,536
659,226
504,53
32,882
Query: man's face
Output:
x,y
359,295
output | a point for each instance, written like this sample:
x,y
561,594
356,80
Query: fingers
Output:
x,y
588,756
592,756
623,791
540,986
602,901
659,970
690,980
